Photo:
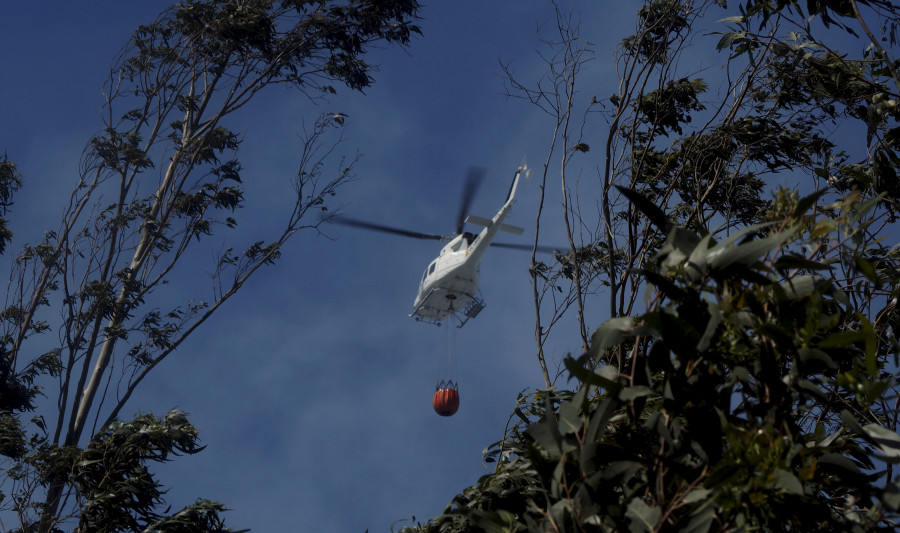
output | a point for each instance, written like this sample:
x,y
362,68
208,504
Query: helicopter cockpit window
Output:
x,y
429,271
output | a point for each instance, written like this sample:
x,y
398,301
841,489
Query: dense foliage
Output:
x,y
753,400
758,389
160,177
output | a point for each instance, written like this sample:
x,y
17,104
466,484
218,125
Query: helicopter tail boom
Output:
x,y
492,226
522,170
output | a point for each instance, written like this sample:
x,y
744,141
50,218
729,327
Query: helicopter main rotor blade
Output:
x,y
526,247
473,179
385,229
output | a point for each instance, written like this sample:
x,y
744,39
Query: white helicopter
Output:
x,y
449,286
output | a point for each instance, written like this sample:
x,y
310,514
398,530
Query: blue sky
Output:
x,y
312,388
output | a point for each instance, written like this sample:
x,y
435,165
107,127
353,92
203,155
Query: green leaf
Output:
x,y
842,339
654,213
701,520
734,237
887,441
891,497
730,38
618,470
500,521
871,342
569,419
840,461
811,354
852,424
643,517
629,394
699,256
787,481
546,434
600,378
664,284
715,318
749,252
800,286
696,495
792,261
679,245
808,201
599,419
610,334
868,270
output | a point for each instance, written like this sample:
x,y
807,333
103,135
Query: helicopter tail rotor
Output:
x,y
527,171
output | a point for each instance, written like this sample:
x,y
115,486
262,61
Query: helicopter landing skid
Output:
x,y
425,320
471,310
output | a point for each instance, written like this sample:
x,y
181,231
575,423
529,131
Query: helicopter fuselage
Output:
x,y
450,282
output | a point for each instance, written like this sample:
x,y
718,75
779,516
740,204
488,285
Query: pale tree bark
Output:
x,y
169,98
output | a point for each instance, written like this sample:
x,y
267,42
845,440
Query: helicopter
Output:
x,y
449,286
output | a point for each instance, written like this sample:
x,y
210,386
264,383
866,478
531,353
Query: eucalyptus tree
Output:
x,y
709,142
161,176
754,203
